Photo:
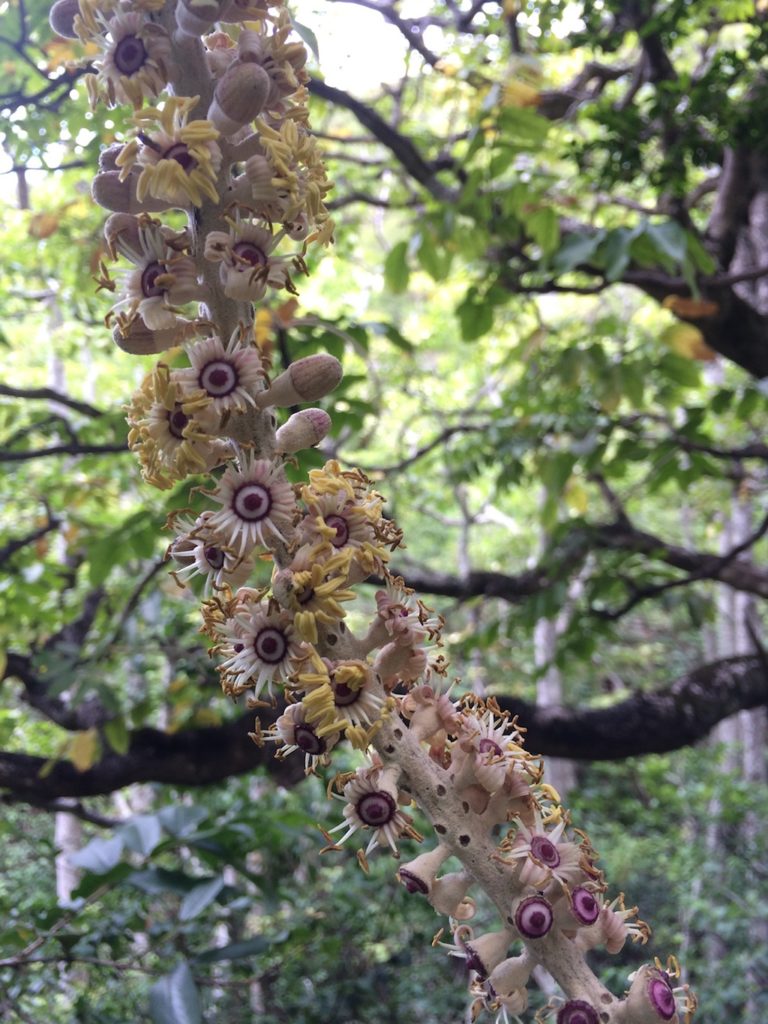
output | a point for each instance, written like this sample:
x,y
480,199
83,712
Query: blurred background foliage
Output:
x,y
527,387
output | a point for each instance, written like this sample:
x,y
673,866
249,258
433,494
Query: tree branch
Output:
x,y
51,395
62,449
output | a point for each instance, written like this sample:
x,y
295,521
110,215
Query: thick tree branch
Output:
x,y
400,146
51,395
656,722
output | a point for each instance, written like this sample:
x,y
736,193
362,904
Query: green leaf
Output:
x,y
174,999
181,821
575,250
544,228
669,238
99,856
681,371
237,950
475,318
199,898
159,880
142,833
396,270
308,36
614,252
435,260
117,735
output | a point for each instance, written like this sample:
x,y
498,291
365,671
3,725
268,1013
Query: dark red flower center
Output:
x,y
376,809
341,526
149,277
249,253
214,557
270,645
489,746
219,378
130,55
177,421
252,502
412,882
344,695
584,905
179,152
662,998
544,850
577,1011
306,739
533,917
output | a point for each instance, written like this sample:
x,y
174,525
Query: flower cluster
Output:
x,y
217,90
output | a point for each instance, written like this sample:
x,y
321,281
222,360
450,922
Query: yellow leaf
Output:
x,y
519,94
43,225
576,496
691,309
84,748
688,341
3,663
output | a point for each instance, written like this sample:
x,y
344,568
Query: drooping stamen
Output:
x,y
179,152
577,1011
214,557
584,905
177,421
376,809
219,378
341,526
247,252
130,55
270,645
306,739
544,850
412,882
474,963
252,502
662,997
149,276
533,917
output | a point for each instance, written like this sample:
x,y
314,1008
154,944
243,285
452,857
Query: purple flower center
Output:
x,y
306,739
219,378
252,502
576,1011
214,557
179,152
250,253
130,55
662,998
533,917
177,421
584,905
237,648
412,882
149,276
344,695
544,850
270,645
376,809
341,526
489,746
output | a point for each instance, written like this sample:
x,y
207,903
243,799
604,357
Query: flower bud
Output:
x,y
303,430
306,380
239,97
419,874
194,17
486,951
113,194
108,157
137,339
122,226
511,974
650,998
448,896
62,18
